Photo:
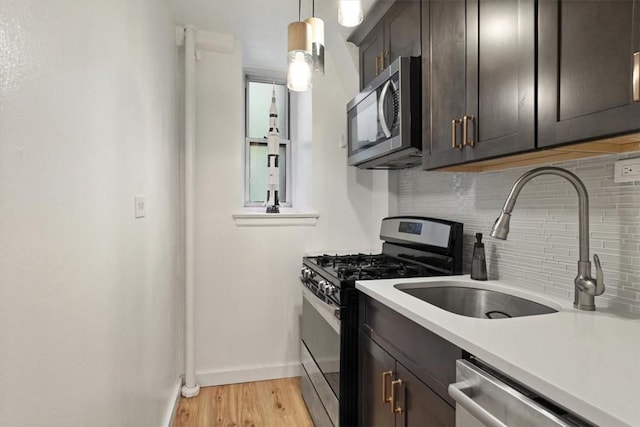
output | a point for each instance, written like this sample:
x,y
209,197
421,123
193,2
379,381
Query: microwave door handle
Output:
x,y
382,118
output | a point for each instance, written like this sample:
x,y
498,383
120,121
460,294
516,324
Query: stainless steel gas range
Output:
x,y
413,247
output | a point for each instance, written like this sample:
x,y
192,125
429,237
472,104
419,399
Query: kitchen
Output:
x,y
91,108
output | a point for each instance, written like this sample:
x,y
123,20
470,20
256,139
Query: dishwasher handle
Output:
x,y
457,392
497,403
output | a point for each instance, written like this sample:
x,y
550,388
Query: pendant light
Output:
x,y
350,12
299,60
317,39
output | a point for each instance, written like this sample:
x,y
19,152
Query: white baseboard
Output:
x,y
172,405
261,373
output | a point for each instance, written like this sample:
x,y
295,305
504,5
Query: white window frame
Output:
x,y
268,78
261,76
247,173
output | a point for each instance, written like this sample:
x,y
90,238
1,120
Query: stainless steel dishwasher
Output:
x,y
486,398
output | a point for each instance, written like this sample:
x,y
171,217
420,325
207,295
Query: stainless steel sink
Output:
x,y
474,302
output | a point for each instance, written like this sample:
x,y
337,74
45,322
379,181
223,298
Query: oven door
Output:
x,y
321,354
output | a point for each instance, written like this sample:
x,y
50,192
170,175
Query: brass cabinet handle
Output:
x,y
636,76
395,409
378,65
465,131
454,133
385,55
385,375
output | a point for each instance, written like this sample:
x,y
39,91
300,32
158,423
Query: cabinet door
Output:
x,y
371,51
374,362
420,405
445,82
500,77
402,31
585,66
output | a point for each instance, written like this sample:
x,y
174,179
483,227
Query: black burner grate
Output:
x,y
370,266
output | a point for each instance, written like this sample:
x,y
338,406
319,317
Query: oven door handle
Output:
x,y
327,311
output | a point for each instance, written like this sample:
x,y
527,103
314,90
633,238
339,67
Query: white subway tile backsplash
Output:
x,y
541,252
628,294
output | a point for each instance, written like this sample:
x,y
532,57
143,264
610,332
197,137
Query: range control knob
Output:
x,y
330,289
326,287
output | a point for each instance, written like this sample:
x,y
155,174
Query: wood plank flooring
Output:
x,y
257,404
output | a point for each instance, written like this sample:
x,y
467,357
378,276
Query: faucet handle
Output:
x,y
599,275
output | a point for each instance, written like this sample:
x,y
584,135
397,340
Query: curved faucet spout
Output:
x,y
583,201
586,287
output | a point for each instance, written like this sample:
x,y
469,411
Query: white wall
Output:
x,y
87,298
248,296
542,248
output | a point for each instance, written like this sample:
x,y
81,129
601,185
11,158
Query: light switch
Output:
x,y
343,141
141,208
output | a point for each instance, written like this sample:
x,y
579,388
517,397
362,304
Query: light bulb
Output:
x,y
350,12
300,66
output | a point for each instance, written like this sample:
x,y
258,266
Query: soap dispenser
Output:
x,y
478,260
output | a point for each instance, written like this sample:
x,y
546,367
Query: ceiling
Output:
x,y
261,25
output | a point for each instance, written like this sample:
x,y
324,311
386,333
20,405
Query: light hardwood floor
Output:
x,y
263,403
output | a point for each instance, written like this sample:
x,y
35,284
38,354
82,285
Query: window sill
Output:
x,y
262,219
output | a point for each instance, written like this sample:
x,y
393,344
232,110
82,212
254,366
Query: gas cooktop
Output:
x,y
369,266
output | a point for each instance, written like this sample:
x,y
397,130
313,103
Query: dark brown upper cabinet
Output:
x,y
396,34
402,31
586,70
371,53
479,81
504,78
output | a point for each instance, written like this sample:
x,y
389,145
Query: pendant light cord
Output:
x,y
313,9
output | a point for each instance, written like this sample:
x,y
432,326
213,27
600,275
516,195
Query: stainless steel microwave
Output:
x,y
385,120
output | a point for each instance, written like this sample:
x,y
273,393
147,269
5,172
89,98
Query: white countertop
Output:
x,y
588,362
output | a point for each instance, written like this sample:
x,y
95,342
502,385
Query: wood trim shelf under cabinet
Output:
x,y
617,145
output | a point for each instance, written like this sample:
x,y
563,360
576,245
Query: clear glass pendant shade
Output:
x,y
350,12
299,70
317,43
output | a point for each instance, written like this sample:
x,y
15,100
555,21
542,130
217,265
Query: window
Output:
x,y
258,93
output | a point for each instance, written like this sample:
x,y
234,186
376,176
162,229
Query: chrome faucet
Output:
x,y
586,287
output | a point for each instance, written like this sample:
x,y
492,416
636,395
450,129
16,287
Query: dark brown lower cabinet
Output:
x,y
376,367
392,396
